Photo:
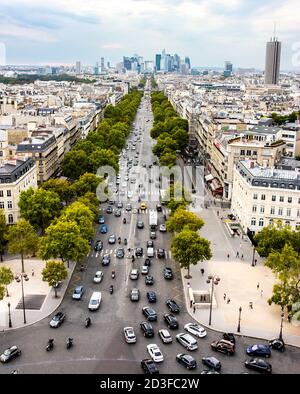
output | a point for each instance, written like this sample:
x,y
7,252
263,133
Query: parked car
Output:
x,y
212,362
277,344
229,337
259,365
129,334
105,259
187,341
171,321
151,296
161,254
135,295
10,354
165,336
195,329
98,245
149,280
103,229
98,277
149,313
57,319
120,253
223,346
259,350
186,360
155,353
172,305
147,329
78,293
149,367
168,273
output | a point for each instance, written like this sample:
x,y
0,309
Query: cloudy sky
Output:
x,y
209,31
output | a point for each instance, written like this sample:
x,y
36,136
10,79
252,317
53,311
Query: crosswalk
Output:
x,y
143,211
94,254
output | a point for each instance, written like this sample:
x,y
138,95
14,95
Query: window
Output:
x,y
254,208
288,212
10,218
290,199
281,199
273,198
271,221
261,222
272,211
254,153
255,196
299,200
1,204
298,213
280,211
9,204
248,152
242,152
262,209
1,193
253,222
8,193
263,197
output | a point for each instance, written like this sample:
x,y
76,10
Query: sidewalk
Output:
x,y
42,296
238,280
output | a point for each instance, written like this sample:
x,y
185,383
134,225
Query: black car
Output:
x,y
139,252
149,280
277,344
152,235
98,245
172,305
120,253
57,319
109,209
158,207
149,367
186,360
140,224
259,365
150,244
147,262
171,321
229,337
149,313
151,296
212,362
161,253
168,273
147,329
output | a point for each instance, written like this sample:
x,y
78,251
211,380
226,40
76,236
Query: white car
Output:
x,y
129,334
98,277
165,336
129,194
126,178
145,270
195,329
155,353
162,228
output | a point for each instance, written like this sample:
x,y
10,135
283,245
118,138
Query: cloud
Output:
x,y
112,46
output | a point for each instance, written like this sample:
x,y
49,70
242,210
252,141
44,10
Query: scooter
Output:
x,y
87,322
69,342
81,268
113,274
125,241
111,289
50,345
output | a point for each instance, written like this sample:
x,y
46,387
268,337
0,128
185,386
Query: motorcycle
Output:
x,y
132,258
50,345
124,220
113,274
69,342
119,240
81,268
87,322
111,289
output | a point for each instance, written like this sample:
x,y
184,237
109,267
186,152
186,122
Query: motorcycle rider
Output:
x,y
125,241
111,289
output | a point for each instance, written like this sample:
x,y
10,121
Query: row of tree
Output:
x,y
281,247
102,146
170,130
279,119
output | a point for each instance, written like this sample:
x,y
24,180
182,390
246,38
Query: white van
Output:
x,y
150,252
95,301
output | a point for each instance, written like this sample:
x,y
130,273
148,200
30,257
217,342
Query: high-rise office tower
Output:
x,y
96,69
228,69
78,67
187,62
273,51
157,61
102,64
108,65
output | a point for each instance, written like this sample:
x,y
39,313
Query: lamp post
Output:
x,y
253,255
214,280
281,324
239,325
9,316
18,279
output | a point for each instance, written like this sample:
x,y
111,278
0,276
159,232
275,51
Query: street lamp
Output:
x,y
214,280
239,325
19,278
9,316
281,324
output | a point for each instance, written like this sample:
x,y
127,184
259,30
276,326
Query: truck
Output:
x,y
152,219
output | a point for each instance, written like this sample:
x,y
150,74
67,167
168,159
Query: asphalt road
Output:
x,y
101,348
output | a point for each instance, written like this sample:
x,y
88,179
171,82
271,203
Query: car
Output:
x,y
120,253
168,273
277,344
126,177
165,336
78,293
212,362
259,365
186,360
187,341
149,313
98,277
95,301
173,306
162,228
140,224
105,259
119,204
171,321
155,353
143,206
118,213
10,354
128,207
153,235
98,245
161,254
259,350
229,337
109,209
103,229
129,334
145,270
57,319
195,329
101,219
133,180
147,262
144,165
149,280
223,346
151,296
149,367
158,207
139,252
147,329
134,274
135,295
112,239
209,372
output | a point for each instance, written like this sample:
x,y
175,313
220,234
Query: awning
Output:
x,y
208,177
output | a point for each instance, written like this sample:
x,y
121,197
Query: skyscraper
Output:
x,y
228,69
187,62
157,61
273,51
78,67
102,64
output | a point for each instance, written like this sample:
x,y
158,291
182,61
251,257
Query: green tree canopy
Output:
x,y
3,231
61,187
6,277
87,182
75,163
53,273
90,200
2,292
82,216
182,219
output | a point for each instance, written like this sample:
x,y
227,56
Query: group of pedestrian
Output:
x,y
238,255
225,296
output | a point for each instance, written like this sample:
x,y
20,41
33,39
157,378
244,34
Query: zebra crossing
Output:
x,y
165,211
128,255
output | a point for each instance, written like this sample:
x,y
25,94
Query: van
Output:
x,y
150,252
95,301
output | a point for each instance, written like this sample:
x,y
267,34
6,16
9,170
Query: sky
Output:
x,y
208,31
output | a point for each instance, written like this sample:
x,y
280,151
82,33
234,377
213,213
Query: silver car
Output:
x,y
129,334
165,336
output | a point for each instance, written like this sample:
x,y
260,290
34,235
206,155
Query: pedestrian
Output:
x,y
257,286
191,304
261,293
188,285
289,317
242,257
228,300
194,309
218,213
228,255
237,254
255,261
202,271
251,305
224,296
32,272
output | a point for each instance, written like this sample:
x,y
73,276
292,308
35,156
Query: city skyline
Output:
x,y
208,32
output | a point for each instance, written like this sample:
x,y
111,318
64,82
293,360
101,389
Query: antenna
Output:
x,y
274,30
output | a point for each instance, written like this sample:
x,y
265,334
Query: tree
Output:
x,y
63,240
188,248
87,182
53,273
103,157
39,207
182,219
22,239
75,163
2,292
61,187
90,200
3,231
176,197
82,216
167,159
6,277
